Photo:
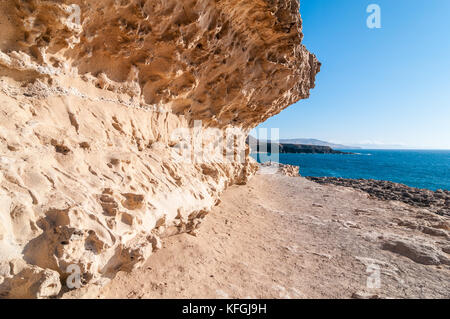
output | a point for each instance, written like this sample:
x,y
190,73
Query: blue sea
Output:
x,y
428,169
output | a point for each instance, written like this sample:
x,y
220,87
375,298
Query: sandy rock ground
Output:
x,y
287,237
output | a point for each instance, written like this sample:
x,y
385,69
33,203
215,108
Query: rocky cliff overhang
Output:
x,y
122,121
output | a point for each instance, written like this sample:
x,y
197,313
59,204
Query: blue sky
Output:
x,y
388,85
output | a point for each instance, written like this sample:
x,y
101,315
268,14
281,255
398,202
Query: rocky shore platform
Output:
x,y
437,201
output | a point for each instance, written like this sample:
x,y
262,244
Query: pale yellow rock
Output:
x,y
19,280
99,102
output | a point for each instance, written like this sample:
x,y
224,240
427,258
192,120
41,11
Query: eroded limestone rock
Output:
x,y
111,113
285,169
422,253
20,280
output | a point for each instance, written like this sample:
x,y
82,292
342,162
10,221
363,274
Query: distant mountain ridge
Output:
x,y
266,146
313,141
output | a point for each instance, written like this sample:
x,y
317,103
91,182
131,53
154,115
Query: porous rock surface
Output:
x,y
284,169
96,98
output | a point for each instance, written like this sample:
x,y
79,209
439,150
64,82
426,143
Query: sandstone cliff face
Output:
x,y
121,122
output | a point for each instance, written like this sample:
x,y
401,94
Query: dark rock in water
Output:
x,y
309,149
438,201
260,146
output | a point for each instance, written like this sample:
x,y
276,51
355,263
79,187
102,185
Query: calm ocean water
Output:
x,y
416,168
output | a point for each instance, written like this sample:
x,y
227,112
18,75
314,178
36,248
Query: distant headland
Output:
x,y
257,146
